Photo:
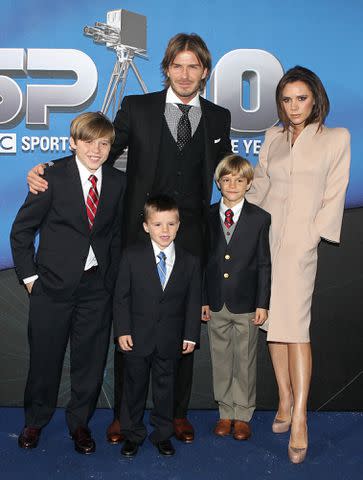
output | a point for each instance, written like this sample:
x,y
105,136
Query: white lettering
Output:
x,y
234,143
247,144
256,147
25,144
44,144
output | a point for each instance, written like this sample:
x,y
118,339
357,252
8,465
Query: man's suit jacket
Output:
x,y
138,125
64,235
157,319
238,274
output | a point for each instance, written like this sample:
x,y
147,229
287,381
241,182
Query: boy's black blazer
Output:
x,y
239,274
61,218
157,319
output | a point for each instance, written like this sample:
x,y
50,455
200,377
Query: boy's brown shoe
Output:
x,y
29,437
223,427
242,430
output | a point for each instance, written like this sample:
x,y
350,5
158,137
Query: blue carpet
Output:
x,y
335,452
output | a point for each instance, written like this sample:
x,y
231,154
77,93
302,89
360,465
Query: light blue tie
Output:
x,y
162,268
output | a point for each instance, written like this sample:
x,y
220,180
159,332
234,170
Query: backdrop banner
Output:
x,y
52,68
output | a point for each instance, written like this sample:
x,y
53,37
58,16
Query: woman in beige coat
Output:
x,y
301,180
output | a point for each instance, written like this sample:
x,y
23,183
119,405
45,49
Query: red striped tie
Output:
x,y
92,201
229,218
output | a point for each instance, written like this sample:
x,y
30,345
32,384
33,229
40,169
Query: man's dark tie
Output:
x,y
228,221
184,132
92,200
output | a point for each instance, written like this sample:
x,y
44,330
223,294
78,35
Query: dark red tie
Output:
x,y
92,201
228,221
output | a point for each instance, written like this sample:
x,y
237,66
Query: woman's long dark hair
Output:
x,y
301,74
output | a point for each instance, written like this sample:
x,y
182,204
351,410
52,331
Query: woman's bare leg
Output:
x,y
300,364
280,361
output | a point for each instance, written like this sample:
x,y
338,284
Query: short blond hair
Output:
x,y
89,126
234,165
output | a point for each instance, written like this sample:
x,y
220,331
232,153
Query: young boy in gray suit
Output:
x,y
237,291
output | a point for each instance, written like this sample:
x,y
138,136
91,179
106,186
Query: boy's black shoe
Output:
x,y
165,448
129,449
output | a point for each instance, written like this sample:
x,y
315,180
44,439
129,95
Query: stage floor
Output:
x,y
335,452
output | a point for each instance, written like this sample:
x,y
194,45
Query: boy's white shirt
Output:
x,y
236,210
170,258
84,174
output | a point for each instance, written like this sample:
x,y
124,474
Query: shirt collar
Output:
x,y
236,209
171,97
169,252
84,173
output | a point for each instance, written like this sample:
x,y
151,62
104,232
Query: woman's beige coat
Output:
x,y
303,187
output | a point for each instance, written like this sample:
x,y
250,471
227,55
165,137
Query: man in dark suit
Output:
x,y
237,289
175,139
175,152
70,278
157,307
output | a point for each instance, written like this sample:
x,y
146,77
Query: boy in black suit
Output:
x,y
237,289
70,278
156,319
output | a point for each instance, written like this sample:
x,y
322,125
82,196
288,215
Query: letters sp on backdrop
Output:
x,y
42,89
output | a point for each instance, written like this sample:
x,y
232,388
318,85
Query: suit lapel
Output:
x,y
177,269
149,265
155,122
105,197
209,160
217,226
75,192
242,227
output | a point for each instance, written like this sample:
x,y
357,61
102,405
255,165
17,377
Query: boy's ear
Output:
x,y
218,184
72,143
249,185
146,228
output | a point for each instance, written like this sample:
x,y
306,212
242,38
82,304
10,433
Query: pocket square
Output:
x,y
217,140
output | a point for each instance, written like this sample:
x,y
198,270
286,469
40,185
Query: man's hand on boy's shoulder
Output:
x,y
35,181
125,342
260,316
205,313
